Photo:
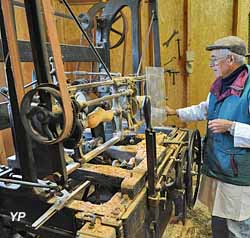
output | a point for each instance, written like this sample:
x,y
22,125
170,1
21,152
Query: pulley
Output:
x,y
42,114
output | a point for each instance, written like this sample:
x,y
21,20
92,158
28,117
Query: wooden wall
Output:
x,y
199,23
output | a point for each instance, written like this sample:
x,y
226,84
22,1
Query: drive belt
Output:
x,y
57,55
13,48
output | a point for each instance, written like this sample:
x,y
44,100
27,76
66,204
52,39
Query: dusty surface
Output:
x,y
198,225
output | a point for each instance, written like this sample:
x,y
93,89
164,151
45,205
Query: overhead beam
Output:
x,y
71,53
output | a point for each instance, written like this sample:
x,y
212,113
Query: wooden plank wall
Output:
x,y
205,22
198,23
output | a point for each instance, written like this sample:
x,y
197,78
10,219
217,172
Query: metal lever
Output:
x,y
58,205
29,184
147,112
150,146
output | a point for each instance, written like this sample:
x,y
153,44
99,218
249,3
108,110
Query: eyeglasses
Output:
x,y
214,61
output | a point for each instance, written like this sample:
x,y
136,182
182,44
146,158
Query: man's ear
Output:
x,y
230,59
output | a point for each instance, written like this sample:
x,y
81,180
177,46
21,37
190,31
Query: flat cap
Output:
x,y
232,43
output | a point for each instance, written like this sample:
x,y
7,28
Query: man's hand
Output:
x,y
219,125
170,111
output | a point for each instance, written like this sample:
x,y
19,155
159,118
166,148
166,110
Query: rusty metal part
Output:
x,y
167,42
179,48
66,101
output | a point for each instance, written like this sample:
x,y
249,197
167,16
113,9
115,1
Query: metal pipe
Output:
x,y
91,85
92,73
70,168
28,184
92,154
105,98
119,80
30,84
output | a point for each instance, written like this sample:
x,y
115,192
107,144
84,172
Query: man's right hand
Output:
x,y
170,111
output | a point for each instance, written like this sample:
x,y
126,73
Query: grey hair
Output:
x,y
238,59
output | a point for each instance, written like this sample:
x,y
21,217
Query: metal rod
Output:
x,y
92,85
70,168
30,84
92,73
105,98
92,154
145,44
28,184
87,38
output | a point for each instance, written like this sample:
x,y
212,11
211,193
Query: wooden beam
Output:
x,y
235,17
186,13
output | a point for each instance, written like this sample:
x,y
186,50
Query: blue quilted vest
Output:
x,y
221,159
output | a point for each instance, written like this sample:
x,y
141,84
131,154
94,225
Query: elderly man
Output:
x,y
225,186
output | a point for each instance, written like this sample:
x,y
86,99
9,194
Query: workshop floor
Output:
x,y
197,225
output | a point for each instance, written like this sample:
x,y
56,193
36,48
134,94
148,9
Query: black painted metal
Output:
x,y
24,155
4,116
71,53
87,38
62,224
109,13
150,147
38,43
49,158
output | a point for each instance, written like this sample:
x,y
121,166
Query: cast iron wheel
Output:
x,y
88,23
120,33
192,175
42,114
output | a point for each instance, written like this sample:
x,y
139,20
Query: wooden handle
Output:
x,y
99,115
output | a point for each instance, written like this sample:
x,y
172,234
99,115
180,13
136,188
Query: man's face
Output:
x,y
220,64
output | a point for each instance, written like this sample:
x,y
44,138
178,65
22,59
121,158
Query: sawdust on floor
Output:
x,y
198,225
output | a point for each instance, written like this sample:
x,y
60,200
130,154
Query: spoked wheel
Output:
x,y
180,168
192,176
118,34
42,114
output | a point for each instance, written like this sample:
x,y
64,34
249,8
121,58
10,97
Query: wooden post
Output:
x,y
235,17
